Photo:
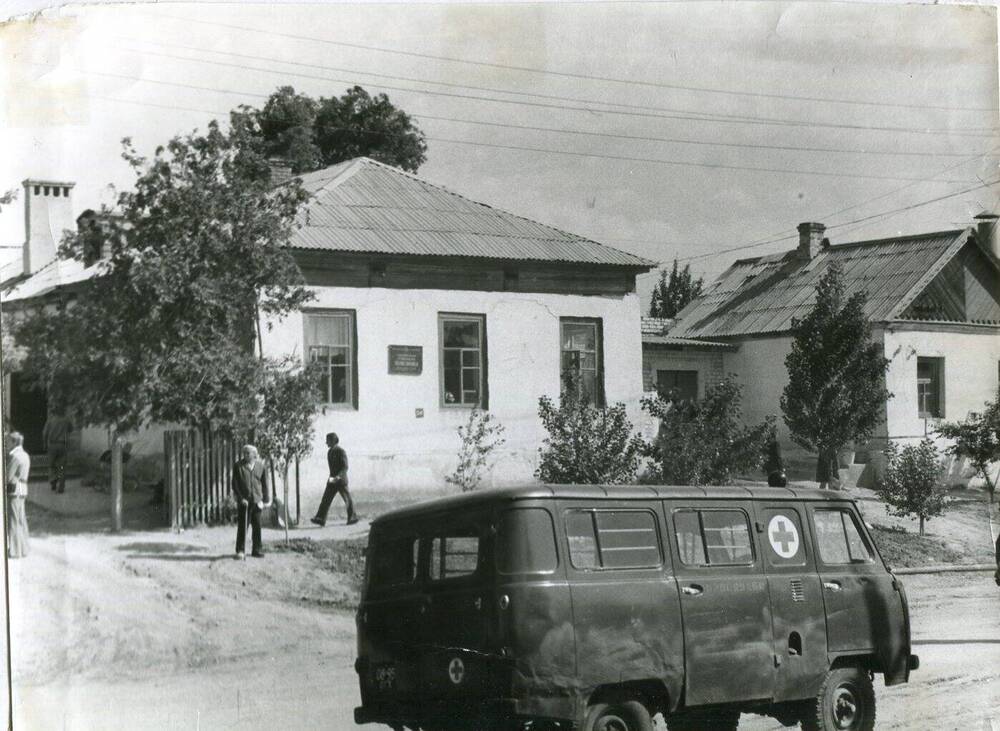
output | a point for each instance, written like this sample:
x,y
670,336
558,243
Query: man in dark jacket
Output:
x,y
253,494
55,440
336,484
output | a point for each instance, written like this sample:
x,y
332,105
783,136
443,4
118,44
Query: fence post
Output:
x,y
116,482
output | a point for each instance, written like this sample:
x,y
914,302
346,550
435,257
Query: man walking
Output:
x,y
55,440
253,493
336,460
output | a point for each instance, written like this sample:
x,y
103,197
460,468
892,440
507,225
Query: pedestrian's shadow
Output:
x,y
164,551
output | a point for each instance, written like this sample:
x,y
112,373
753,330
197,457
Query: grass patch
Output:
x,y
902,549
346,558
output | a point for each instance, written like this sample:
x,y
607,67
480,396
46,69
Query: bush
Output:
x,y
481,436
910,484
978,439
704,442
586,444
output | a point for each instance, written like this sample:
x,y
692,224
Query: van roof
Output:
x,y
613,492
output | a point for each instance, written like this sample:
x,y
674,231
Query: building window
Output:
x,y
678,385
463,360
582,360
331,343
930,387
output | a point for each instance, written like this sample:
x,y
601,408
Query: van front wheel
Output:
x,y
845,702
625,716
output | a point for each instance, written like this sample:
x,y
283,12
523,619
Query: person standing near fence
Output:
x,y
336,484
16,481
253,494
55,440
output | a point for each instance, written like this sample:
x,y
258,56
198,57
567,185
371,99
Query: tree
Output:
x,y
284,432
910,484
480,437
978,439
836,375
671,295
704,442
166,331
311,134
586,444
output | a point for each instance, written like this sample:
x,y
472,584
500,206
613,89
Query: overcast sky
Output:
x,y
896,103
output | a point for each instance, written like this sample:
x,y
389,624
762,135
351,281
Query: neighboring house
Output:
x,y
934,300
427,304
682,367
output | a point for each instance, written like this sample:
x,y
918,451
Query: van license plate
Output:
x,y
385,676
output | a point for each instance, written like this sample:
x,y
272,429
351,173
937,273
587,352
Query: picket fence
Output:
x,y
199,469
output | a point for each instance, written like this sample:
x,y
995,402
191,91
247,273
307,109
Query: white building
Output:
x,y
934,300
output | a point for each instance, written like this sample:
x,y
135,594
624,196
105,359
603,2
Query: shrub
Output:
x,y
910,484
704,442
978,439
586,444
480,436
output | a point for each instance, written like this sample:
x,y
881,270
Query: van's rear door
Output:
x,y
460,655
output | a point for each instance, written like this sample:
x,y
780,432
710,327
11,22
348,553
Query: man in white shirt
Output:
x,y
16,480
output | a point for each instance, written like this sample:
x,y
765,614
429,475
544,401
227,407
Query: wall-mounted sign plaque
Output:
x,y
406,360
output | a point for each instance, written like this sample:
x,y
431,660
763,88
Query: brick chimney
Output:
x,y
810,240
986,232
281,170
48,212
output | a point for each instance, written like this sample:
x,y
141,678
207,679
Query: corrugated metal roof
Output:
x,y
764,294
656,325
57,273
365,206
685,342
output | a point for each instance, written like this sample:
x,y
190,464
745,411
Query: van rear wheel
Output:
x,y
845,702
718,720
624,716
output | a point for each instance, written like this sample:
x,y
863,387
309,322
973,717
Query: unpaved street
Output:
x,y
155,630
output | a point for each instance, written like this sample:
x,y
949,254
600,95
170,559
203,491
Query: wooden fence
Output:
x,y
199,468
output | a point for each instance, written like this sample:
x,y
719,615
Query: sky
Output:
x,y
699,131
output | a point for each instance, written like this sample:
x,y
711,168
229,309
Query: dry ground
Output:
x,y
158,630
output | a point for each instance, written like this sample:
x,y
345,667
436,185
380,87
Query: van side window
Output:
x,y
613,539
713,537
839,539
526,542
453,556
394,561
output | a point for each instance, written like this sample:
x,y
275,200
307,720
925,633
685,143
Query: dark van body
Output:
x,y
599,607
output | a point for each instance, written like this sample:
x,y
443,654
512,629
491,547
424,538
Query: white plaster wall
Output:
x,y
760,367
388,446
970,376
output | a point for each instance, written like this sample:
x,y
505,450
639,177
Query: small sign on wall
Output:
x,y
406,360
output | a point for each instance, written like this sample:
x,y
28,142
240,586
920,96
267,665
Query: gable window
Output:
x,y
678,385
463,360
582,358
331,343
930,387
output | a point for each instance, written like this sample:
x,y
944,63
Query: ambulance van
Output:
x,y
597,608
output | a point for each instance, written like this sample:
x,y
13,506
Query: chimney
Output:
x,y
986,232
48,212
810,240
281,170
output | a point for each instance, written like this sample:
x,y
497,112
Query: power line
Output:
x,y
571,75
632,110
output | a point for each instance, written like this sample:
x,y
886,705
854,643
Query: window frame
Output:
x,y
855,522
674,372
937,378
352,402
600,398
429,538
484,393
593,513
704,539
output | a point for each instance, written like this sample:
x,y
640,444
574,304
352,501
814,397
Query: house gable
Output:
x,y
966,290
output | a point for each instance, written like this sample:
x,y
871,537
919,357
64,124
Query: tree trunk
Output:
x,y
284,480
921,525
116,482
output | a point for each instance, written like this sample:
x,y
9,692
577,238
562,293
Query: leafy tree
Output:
x,y
836,374
481,436
586,444
671,295
314,133
910,484
166,331
284,432
705,442
978,439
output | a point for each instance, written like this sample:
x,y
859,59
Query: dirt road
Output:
x,y
155,630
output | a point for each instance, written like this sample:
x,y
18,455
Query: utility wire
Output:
x,y
567,74
631,110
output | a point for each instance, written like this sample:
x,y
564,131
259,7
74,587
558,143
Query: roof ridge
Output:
x,y
424,181
897,239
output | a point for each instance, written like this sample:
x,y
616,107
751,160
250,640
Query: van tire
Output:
x,y
719,720
623,716
845,697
